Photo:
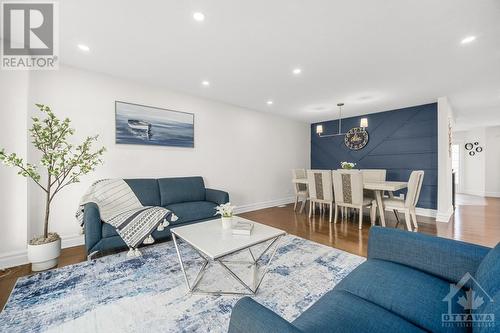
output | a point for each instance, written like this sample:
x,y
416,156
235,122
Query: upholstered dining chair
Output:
x,y
348,189
372,175
408,205
320,190
301,191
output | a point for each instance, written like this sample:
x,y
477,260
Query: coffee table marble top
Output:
x,y
212,240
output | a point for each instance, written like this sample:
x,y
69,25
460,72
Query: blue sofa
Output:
x,y
404,286
187,197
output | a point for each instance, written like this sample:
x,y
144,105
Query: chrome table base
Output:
x,y
250,290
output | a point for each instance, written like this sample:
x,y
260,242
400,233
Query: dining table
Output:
x,y
378,187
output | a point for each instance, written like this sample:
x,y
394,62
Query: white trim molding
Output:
x,y
16,258
278,202
426,212
422,212
72,240
482,194
13,258
473,192
264,204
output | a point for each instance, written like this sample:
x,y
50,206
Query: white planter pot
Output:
x,y
44,256
227,222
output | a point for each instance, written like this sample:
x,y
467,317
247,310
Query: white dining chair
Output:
x,y
348,189
320,190
373,175
301,191
408,205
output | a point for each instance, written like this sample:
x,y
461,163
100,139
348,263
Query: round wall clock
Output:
x,y
468,146
356,138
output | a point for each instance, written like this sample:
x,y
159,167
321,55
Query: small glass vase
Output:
x,y
227,222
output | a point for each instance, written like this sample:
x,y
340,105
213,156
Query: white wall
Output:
x,y
480,173
13,193
444,204
249,154
492,165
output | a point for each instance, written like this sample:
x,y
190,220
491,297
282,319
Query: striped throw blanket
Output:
x,y
119,207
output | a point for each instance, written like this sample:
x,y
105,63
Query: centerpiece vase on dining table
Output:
x,y
347,165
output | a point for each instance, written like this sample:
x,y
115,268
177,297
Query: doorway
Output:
x,y
456,166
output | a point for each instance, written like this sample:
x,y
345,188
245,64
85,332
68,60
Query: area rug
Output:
x,y
148,294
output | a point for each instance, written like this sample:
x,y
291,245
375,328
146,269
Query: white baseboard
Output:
x,y
267,204
481,193
426,212
474,192
16,258
264,204
421,212
72,240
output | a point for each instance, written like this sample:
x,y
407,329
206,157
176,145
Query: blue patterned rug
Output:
x,y
148,294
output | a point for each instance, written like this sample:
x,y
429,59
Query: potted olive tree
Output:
x,y
63,164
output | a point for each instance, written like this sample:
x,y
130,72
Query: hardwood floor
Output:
x,y
476,220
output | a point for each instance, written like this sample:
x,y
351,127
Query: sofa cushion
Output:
x,y
488,279
488,272
191,211
446,258
146,190
340,311
409,293
185,189
490,313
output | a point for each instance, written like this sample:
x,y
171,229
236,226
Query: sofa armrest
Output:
x,y
216,196
248,316
92,224
445,258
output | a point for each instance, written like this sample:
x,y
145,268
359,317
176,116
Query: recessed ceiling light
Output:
x,y
205,83
198,16
84,47
269,102
468,39
297,71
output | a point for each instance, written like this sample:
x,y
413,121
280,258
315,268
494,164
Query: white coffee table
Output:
x,y
213,243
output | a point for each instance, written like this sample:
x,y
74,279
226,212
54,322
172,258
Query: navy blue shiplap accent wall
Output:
x,y
399,140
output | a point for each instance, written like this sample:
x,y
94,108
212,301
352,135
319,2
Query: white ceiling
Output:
x,y
372,55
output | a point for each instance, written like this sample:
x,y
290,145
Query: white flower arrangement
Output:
x,y
225,210
347,165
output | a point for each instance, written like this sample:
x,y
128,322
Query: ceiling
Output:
x,y
371,55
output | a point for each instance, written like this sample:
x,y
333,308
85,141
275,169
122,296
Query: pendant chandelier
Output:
x,y
363,123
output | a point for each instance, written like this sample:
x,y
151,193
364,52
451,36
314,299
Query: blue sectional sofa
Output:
x,y
404,286
187,197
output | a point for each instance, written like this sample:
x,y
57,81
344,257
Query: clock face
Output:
x,y
356,138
